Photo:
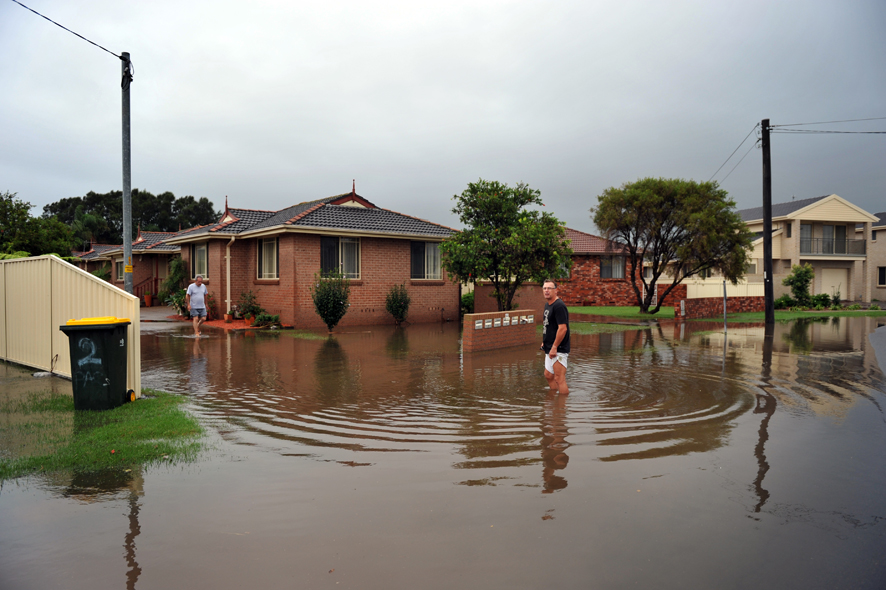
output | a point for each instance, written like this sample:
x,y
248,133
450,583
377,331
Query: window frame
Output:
x,y
611,258
118,268
340,245
194,270
881,276
427,260
260,252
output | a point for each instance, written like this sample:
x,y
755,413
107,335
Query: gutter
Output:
x,y
228,278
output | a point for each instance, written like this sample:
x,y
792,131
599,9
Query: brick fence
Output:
x,y
499,329
709,307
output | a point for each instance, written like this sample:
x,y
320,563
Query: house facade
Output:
x,y
278,255
828,232
876,252
150,262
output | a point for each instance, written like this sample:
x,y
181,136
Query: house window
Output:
x,y
267,259
340,255
199,257
425,260
612,267
789,226
873,235
751,268
119,265
881,276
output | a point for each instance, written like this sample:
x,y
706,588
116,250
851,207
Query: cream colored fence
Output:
x,y
715,289
37,295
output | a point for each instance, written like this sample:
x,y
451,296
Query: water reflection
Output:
x,y
553,443
765,405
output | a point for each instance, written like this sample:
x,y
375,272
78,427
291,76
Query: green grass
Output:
x,y
666,312
42,432
593,328
305,335
785,316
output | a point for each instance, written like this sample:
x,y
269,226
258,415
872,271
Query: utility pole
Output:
x,y
767,228
127,176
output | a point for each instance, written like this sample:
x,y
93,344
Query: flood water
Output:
x,y
384,458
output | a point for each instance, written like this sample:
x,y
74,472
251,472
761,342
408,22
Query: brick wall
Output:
x,y
384,262
495,334
709,307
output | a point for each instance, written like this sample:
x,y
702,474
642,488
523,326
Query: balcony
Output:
x,y
831,247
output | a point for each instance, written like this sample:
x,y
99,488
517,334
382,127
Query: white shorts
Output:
x,y
562,357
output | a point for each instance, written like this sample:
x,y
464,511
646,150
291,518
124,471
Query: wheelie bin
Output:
x,y
98,362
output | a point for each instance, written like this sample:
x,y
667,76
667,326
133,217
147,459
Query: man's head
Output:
x,y
199,280
549,290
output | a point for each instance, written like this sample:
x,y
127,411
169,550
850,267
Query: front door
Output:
x,y
835,280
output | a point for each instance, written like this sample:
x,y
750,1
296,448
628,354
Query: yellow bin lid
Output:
x,y
96,321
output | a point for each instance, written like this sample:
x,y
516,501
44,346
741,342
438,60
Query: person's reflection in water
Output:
x,y
765,405
553,443
197,369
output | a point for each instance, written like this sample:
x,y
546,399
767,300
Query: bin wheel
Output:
x,y
131,395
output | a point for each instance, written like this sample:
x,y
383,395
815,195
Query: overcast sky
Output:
x,y
275,103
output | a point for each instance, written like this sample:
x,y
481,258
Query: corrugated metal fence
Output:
x,y
37,295
715,289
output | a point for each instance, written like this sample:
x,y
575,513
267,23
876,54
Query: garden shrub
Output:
x,y
104,273
247,305
266,319
397,303
799,280
177,277
467,303
854,307
330,293
178,302
874,307
821,300
784,302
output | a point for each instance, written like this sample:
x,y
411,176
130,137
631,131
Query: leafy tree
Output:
x,y
799,280
397,303
502,242
682,226
330,293
19,232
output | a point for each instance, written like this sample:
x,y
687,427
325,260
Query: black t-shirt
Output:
x,y
555,315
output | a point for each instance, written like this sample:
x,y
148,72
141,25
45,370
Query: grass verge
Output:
x,y
592,328
42,432
785,316
666,312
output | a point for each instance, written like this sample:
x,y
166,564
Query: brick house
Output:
x,y
277,254
876,255
828,232
96,257
150,261
599,277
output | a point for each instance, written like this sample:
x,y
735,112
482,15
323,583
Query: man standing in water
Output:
x,y
555,338
196,300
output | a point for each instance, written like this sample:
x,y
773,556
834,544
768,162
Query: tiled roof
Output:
x,y
778,210
881,221
154,241
582,243
370,220
98,250
290,213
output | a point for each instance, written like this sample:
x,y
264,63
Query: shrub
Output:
x,y
266,319
784,302
874,307
330,293
104,273
821,300
211,309
799,279
178,302
397,303
854,307
247,305
177,277
467,303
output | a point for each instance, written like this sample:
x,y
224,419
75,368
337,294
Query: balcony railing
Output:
x,y
832,247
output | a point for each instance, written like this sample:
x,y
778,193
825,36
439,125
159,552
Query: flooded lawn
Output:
x,y
385,459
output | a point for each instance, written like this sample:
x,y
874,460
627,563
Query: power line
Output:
x,y
740,161
754,128
68,30
826,122
825,131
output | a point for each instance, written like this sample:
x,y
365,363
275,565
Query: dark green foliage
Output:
x,y
467,303
104,273
98,217
821,300
177,300
682,226
19,232
502,241
248,305
211,307
784,302
397,303
799,280
330,293
266,319
177,277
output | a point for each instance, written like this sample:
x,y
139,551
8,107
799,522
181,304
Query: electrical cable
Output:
x,y
754,128
740,161
824,131
68,30
826,122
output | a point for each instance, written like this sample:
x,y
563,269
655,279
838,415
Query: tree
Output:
x,y
330,293
19,232
397,303
502,242
682,226
799,280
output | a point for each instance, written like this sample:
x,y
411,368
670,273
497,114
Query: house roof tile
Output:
x,y
779,209
583,243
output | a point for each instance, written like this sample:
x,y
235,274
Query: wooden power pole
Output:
x,y
767,228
